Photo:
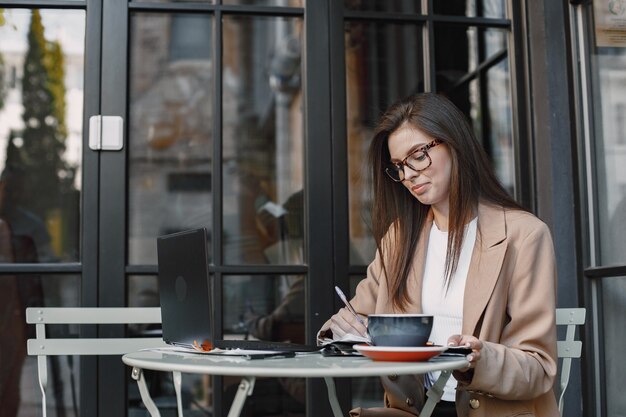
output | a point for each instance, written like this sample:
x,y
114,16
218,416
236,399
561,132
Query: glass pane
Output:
x,y
170,128
379,71
176,1
476,77
397,6
18,372
263,145
614,310
266,307
472,8
610,153
277,3
143,291
41,130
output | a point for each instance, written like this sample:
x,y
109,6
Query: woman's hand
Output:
x,y
344,322
468,342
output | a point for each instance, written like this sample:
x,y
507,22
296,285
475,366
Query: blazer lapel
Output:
x,y
485,266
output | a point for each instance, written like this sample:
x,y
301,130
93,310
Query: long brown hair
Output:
x,y
395,210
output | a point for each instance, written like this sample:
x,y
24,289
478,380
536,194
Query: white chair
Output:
x,y
568,348
42,346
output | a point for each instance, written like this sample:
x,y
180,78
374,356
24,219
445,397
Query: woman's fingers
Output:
x,y
470,342
344,322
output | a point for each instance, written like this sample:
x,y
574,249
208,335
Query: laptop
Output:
x,y
185,296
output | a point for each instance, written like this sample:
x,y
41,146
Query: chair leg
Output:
x,y
42,371
332,397
565,371
435,393
177,378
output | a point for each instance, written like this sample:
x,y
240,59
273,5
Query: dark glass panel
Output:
x,y
176,1
276,3
613,306
383,64
170,128
265,307
263,145
396,6
477,79
609,143
471,8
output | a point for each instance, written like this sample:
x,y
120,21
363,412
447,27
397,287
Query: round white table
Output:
x,y
311,365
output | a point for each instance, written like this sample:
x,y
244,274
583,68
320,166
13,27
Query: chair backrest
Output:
x,y
568,348
43,346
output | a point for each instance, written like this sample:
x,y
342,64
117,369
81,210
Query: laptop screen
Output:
x,y
184,288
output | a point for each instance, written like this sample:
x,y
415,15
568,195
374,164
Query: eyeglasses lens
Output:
x,y
417,161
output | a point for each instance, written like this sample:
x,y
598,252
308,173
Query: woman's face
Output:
x,y
432,185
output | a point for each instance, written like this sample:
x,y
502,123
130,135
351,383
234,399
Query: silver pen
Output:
x,y
348,305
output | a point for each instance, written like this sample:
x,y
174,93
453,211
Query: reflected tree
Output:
x,y
2,82
38,151
2,69
55,66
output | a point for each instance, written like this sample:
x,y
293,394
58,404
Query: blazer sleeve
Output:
x,y
366,295
522,364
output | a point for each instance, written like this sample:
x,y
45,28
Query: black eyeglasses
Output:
x,y
418,160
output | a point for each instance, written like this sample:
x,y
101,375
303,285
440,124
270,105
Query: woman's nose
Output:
x,y
409,172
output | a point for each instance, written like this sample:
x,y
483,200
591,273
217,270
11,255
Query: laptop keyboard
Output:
x,y
264,345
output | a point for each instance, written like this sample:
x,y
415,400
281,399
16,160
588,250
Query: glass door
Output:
x,y
601,53
213,106
48,190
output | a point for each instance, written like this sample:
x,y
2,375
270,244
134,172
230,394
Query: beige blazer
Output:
x,y
509,304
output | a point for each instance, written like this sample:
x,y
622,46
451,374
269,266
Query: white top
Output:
x,y
444,302
308,365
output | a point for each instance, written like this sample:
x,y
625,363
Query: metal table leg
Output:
x,y
246,386
137,375
177,378
434,393
332,397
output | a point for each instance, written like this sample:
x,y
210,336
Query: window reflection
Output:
x,y
263,141
408,6
609,102
474,8
477,79
19,386
378,72
610,152
41,111
279,3
171,129
267,307
613,305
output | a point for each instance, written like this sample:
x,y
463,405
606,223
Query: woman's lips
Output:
x,y
419,188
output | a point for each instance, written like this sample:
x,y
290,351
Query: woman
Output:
x,y
452,243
